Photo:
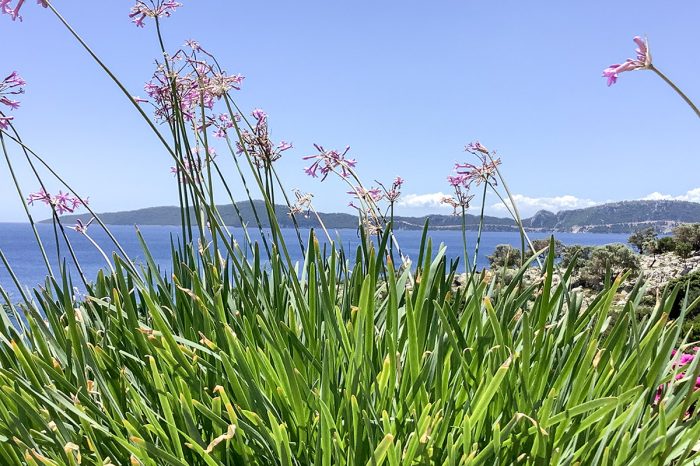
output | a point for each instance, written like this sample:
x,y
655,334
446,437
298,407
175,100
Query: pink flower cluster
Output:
x,y
6,9
61,202
484,172
642,62
394,192
158,9
377,194
328,161
257,144
10,86
683,360
467,173
370,195
186,83
222,123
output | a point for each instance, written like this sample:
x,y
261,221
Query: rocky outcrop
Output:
x,y
660,269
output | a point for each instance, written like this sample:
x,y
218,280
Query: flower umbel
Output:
x,y
483,172
10,86
185,83
157,9
257,144
61,202
327,161
642,62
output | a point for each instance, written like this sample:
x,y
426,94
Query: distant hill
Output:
x,y
618,217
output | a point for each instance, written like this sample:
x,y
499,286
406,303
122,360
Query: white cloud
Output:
x,y
693,196
423,201
529,205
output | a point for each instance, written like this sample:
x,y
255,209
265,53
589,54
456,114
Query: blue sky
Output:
x,y
405,83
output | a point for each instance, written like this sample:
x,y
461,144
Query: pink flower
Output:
x,y
40,195
5,121
159,9
185,88
642,62
393,194
259,115
476,147
11,85
14,12
374,194
61,202
458,180
81,227
284,145
327,161
193,44
257,144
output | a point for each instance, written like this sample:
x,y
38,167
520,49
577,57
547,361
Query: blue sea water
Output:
x,y
18,245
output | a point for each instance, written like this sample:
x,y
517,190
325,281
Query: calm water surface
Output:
x,y
18,245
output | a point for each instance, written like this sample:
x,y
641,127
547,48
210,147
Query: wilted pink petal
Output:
x,y
642,62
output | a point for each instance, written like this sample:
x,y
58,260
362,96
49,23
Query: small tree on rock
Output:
x,y
643,239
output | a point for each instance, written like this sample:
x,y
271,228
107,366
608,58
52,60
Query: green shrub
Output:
x,y
688,286
665,244
688,233
615,258
683,250
505,255
643,239
581,253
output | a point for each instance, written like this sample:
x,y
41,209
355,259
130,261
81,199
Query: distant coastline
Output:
x,y
617,217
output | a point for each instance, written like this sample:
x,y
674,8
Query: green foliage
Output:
x,y
665,244
224,363
581,253
601,261
505,255
683,250
689,234
688,288
643,239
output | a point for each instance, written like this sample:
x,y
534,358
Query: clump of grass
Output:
x,y
345,363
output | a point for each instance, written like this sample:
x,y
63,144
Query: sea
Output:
x,y
18,245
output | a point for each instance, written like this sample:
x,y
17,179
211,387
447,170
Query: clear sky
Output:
x,y
405,83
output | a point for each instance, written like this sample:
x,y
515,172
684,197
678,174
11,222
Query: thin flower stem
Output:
x,y
481,226
467,265
675,88
69,188
97,246
517,218
24,205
